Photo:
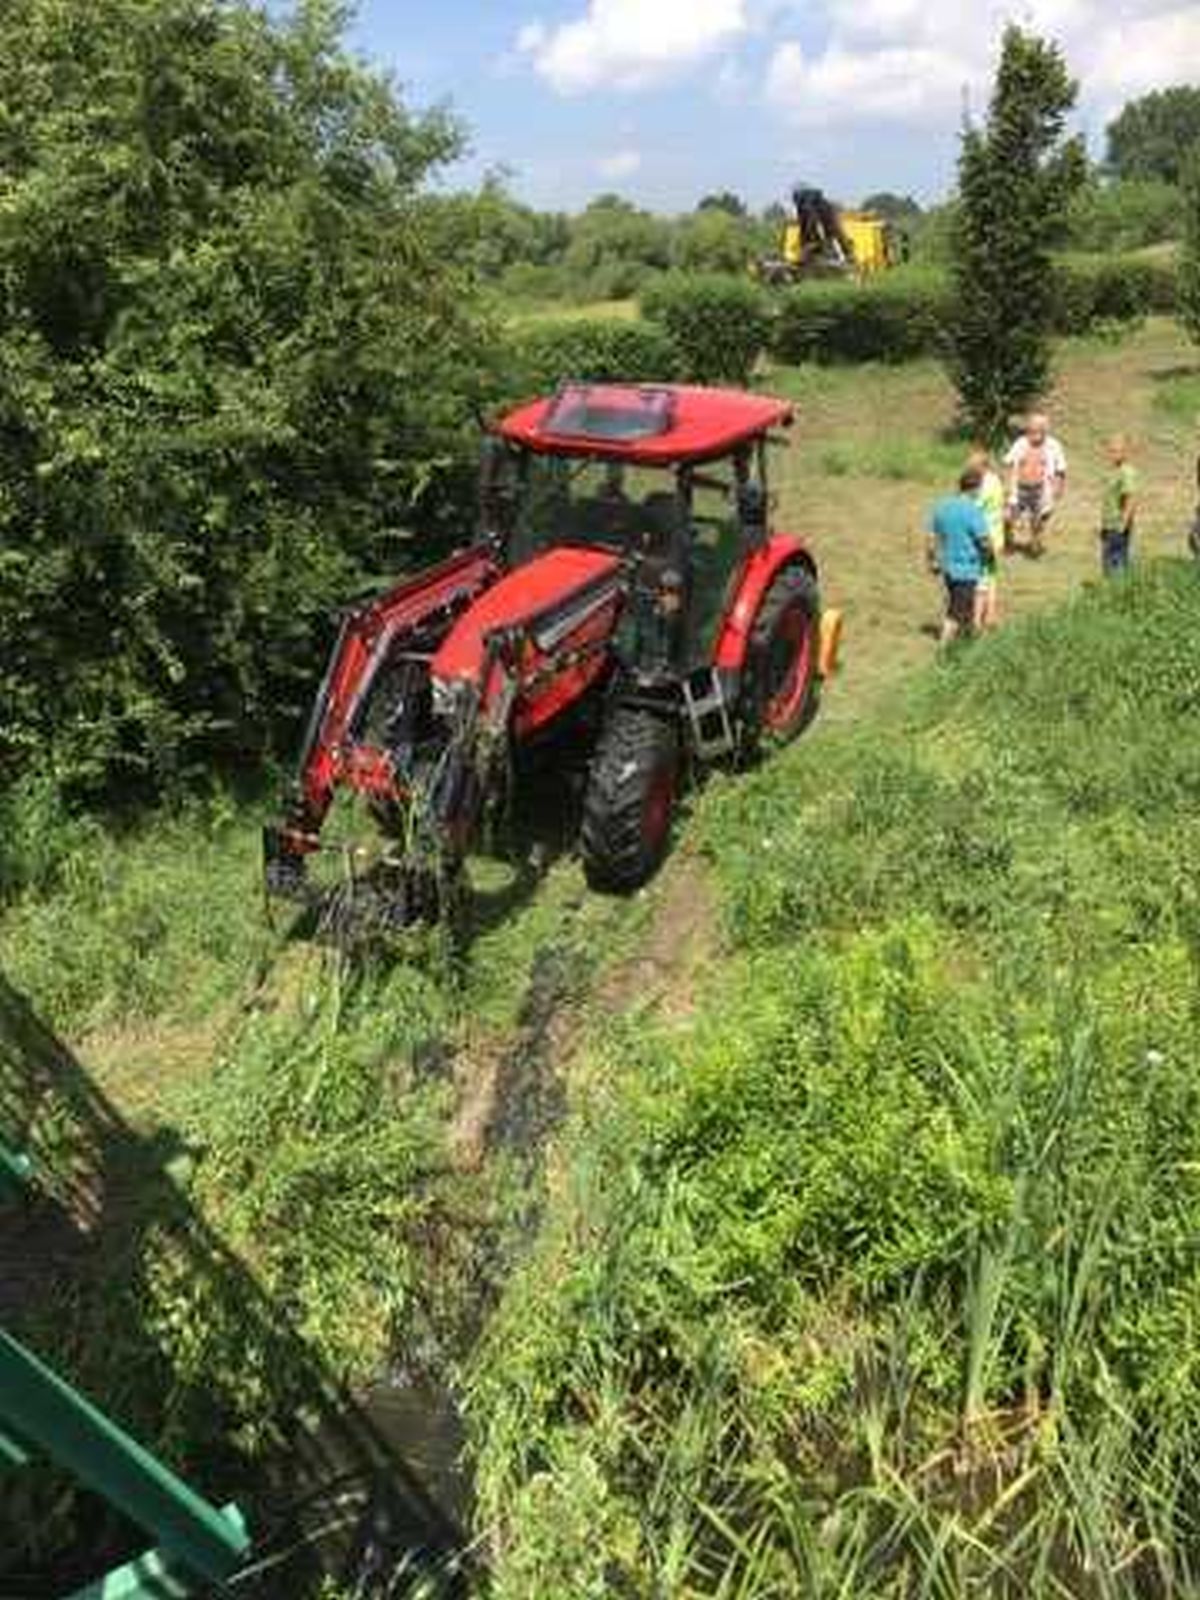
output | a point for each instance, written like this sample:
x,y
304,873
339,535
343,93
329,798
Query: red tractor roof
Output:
x,y
648,424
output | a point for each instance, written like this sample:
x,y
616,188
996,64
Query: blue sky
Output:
x,y
664,100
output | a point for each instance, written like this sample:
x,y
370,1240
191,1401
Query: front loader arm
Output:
x,y
368,633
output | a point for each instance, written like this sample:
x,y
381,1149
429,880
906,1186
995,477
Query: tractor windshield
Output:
x,y
599,503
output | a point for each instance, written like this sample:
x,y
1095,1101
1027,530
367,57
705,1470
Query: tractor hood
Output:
x,y
539,592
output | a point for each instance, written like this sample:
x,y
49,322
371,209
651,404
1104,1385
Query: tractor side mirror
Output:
x,y
752,515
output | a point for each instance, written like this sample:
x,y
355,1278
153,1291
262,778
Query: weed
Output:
x,y
900,459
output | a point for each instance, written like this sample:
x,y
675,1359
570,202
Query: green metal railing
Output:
x,y
41,1413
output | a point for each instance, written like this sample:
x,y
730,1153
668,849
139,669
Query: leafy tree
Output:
x,y
490,232
234,357
614,244
713,241
1153,136
934,234
1016,177
1124,214
725,200
1189,270
900,209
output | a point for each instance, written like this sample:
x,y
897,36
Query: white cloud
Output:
x,y
1149,52
631,44
911,61
621,164
842,84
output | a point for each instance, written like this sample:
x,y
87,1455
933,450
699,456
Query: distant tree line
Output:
x,y
612,249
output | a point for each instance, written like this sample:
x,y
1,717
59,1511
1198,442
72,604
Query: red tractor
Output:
x,y
626,607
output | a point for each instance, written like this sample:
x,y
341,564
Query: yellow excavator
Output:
x,y
820,241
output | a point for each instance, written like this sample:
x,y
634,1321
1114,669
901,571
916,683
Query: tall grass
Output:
x,y
878,1278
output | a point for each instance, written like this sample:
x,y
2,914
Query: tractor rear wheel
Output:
x,y
630,799
783,678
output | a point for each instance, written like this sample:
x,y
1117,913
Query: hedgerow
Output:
x,y
713,329
720,325
539,355
893,318
910,312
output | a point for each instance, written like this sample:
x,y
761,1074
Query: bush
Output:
x,y
235,356
1189,268
1125,215
720,325
909,312
894,318
540,355
1100,289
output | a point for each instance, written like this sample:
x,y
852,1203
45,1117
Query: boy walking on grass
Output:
x,y
958,544
1037,481
991,502
1118,508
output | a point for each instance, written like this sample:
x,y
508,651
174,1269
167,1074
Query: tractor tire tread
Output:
x,y
633,747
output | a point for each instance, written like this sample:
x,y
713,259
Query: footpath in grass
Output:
x,y
877,1274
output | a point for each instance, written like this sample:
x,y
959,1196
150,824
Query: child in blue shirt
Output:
x,y
959,543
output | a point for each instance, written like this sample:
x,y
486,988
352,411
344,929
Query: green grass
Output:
x,y
1179,397
900,460
286,1163
592,310
917,1149
877,1278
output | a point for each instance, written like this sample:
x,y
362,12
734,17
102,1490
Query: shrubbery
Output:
x,y
541,355
720,325
909,312
1092,290
235,357
892,318
1125,215
712,329
1189,271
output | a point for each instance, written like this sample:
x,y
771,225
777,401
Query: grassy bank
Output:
x,y
803,1182
876,1274
266,1170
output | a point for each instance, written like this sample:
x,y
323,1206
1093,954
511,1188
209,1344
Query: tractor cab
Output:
x,y
670,481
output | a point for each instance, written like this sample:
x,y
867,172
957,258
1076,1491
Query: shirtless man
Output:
x,y
1037,480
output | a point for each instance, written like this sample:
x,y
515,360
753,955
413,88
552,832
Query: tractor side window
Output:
x,y
716,550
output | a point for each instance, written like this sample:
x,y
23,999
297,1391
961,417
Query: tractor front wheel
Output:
x,y
630,800
784,678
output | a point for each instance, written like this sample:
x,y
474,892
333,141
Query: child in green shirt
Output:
x,y
1118,508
